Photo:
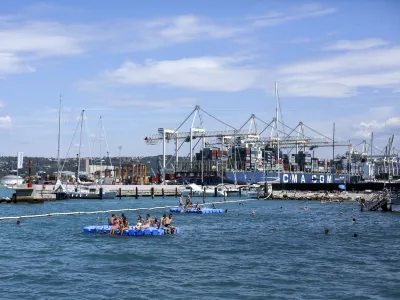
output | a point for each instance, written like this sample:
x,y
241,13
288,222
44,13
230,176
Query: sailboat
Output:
x,y
59,189
88,192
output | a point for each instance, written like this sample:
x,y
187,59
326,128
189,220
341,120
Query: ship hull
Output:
x,y
243,177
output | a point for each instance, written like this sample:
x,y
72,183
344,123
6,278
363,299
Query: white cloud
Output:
x,y
341,75
40,38
201,73
395,121
26,41
141,35
188,27
352,61
301,41
125,101
274,18
11,64
356,44
383,120
5,121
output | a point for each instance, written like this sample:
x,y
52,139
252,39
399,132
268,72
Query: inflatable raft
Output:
x,y
128,232
195,211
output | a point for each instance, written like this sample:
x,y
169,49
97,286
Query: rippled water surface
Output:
x,y
281,253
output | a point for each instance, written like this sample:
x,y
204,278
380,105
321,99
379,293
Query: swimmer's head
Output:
x,y
326,231
18,222
354,219
355,235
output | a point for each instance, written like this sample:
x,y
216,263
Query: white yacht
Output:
x,y
11,179
195,190
90,192
230,189
251,191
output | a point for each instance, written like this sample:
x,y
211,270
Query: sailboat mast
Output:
x,y
276,123
101,155
80,145
59,140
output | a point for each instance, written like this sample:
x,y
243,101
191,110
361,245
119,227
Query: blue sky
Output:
x,y
145,65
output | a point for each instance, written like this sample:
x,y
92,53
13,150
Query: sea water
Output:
x,y
280,253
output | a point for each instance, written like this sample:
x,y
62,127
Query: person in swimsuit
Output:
x,y
115,225
111,220
155,222
198,207
124,224
213,206
167,224
147,223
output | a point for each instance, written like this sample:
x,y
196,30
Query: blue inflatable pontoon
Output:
x,y
128,232
195,211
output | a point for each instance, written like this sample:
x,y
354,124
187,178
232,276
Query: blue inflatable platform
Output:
x,y
195,211
128,232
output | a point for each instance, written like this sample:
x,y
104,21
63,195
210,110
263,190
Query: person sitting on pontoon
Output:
x,y
155,222
124,224
111,220
115,225
198,207
168,228
147,223
139,222
213,206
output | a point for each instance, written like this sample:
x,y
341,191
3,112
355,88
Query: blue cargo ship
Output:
x,y
249,177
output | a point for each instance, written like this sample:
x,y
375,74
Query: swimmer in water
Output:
x,y
213,206
326,231
354,219
355,235
253,213
18,222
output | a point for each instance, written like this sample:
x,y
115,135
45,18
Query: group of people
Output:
x,y
122,223
189,205
117,222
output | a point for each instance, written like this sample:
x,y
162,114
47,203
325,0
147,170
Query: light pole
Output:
x,y
120,165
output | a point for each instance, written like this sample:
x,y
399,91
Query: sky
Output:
x,y
144,65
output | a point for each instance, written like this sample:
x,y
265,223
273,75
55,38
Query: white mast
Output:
x,y
80,144
59,140
101,154
276,124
